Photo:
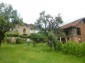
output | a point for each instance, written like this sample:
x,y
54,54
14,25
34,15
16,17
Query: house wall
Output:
x,y
81,37
72,33
71,28
82,29
75,37
21,28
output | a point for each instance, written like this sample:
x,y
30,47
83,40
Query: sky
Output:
x,y
29,10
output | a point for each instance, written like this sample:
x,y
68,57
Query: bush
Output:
x,y
81,49
37,37
59,46
23,36
74,48
12,35
52,40
20,41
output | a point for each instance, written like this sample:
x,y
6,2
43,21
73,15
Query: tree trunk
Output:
x,y
0,42
1,37
34,44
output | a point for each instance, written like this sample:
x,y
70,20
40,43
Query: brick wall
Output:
x,y
82,29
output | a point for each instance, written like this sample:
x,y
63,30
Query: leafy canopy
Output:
x,y
48,23
9,17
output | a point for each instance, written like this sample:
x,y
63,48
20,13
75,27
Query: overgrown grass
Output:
x,y
23,53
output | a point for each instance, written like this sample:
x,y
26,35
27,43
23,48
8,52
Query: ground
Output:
x,y
24,53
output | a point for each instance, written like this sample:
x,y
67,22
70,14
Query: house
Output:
x,y
23,29
74,31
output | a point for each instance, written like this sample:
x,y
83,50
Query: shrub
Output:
x,y
20,41
37,37
59,46
74,48
69,48
81,49
52,40
23,36
12,35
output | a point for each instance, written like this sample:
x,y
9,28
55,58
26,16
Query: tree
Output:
x,y
48,23
50,26
9,18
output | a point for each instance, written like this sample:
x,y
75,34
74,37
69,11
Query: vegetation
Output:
x,y
23,53
48,29
48,23
74,49
37,38
9,18
20,41
41,37
52,40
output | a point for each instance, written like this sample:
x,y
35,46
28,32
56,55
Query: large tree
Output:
x,y
50,26
48,23
9,18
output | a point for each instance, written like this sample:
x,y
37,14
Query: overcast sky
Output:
x,y
29,10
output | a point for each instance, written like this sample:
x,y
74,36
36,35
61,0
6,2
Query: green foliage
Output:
x,y
12,35
20,41
49,37
50,26
24,36
74,48
48,23
9,18
37,37
59,46
52,40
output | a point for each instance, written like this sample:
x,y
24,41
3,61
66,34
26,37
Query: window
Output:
x,y
24,31
67,33
78,31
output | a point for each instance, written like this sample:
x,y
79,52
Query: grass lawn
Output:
x,y
40,54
